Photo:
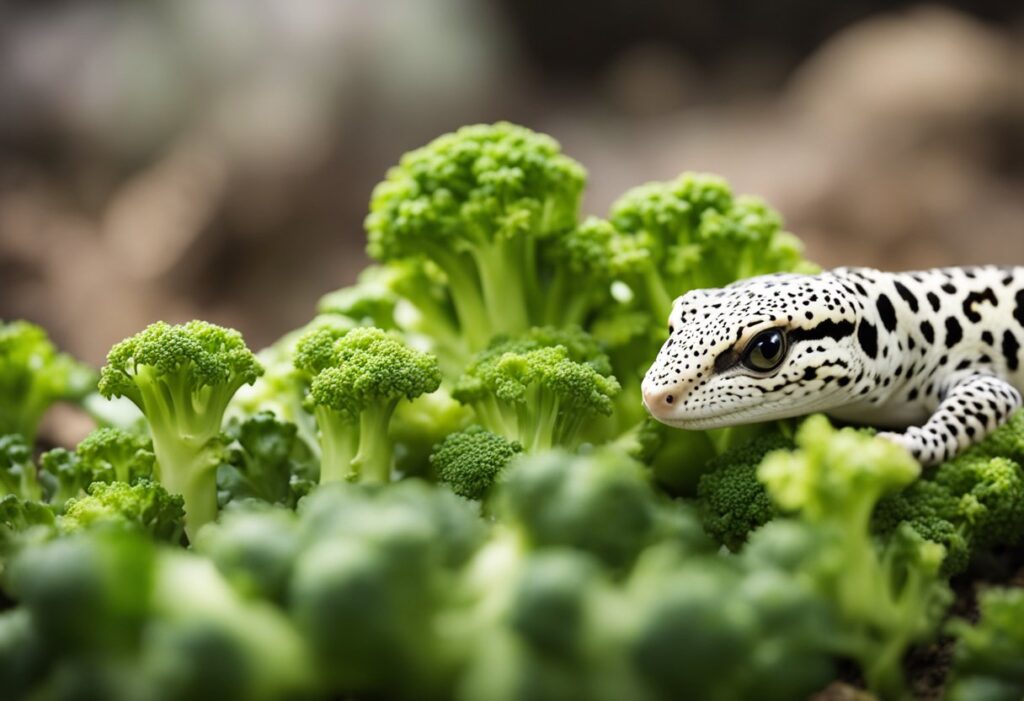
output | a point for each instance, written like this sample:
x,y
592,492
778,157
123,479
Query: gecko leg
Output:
x,y
971,408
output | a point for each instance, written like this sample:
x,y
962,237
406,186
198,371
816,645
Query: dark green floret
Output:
x,y
732,502
356,380
469,461
182,378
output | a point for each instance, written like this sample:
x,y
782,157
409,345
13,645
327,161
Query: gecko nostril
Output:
x,y
669,398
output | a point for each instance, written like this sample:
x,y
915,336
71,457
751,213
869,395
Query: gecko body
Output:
x,y
934,356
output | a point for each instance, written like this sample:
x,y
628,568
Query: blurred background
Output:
x,y
173,159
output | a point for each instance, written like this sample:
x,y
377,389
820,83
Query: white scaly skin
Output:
x,y
937,353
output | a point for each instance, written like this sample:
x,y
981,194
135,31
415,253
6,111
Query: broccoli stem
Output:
x,y
538,418
372,463
501,268
466,297
339,437
563,305
189,468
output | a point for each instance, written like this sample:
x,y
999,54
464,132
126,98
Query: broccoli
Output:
x,y
34,375
118,617
582,272
419,425
476,203
600,503
182,378
105,455
17,472
144,505
370,584
888,598
469,461
970,503
357,380
731,500
539,389
989,661
266,460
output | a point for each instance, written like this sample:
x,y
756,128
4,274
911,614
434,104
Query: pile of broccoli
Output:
x,y
444,485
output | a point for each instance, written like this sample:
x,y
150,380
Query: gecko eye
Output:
x,y
766,351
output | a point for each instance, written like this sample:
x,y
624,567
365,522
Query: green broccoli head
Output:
x,y
105,455
144,505
34,375
469,461
538,391
182,378
17,471
990,493
475,203
357,381
583,265
110,454
731,500
371,579
600,503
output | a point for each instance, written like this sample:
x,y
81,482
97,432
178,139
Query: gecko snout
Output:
x,y
661,401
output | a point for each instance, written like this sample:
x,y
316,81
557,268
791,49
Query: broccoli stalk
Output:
x,y
356,381
182,378
33,375
887,598
476,203
539,389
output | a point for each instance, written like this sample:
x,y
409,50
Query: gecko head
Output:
x,y
766,348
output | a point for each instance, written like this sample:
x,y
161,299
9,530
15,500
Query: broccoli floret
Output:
x,y
970,503
254,547
370,583
469,461
182,378
110,454
476,203
600,503
731,500
357,380
144,505
34,375
537,390
266,460
989,661
17,471
419,425
886,598
105,455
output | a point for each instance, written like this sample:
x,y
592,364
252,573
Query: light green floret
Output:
x,y
34,375
476,203
182,378
357,380
539,389
143,506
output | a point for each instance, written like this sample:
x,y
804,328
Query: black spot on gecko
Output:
x,y
954,332
949,288
836,330
927,331
933,299
867,336
987,337
907,295
1011,349
886,313
986,295
1018,313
